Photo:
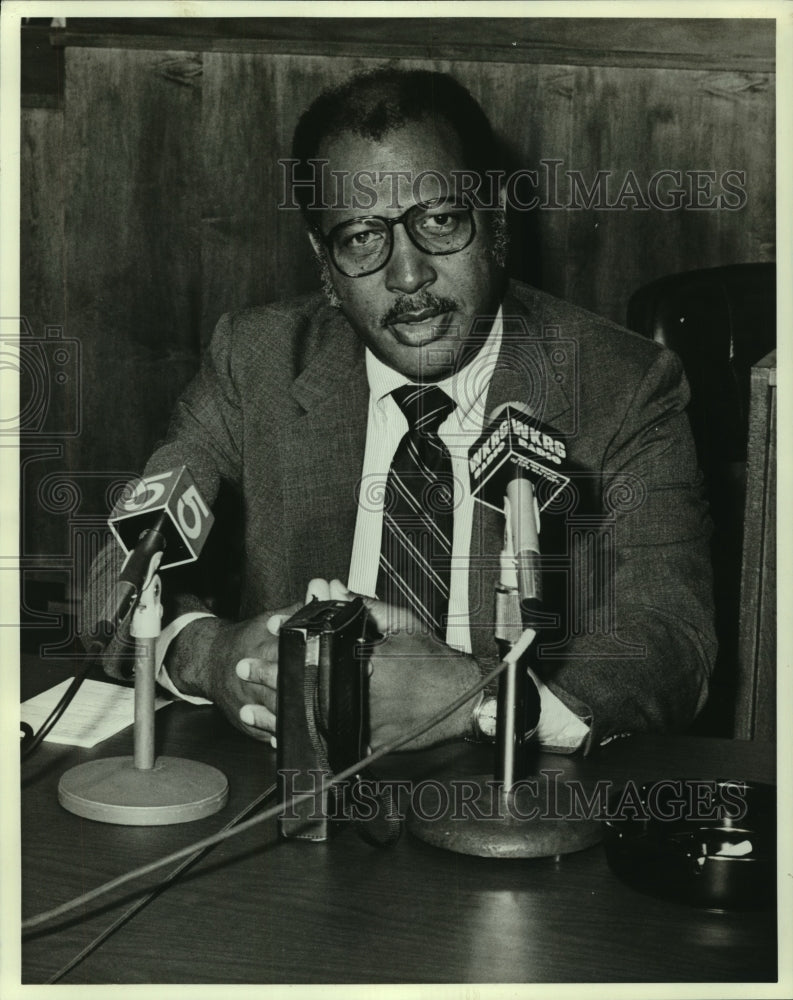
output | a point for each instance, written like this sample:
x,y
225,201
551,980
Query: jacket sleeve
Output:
x,y
205,435
639,643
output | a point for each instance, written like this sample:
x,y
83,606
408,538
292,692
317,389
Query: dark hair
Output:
x,y
373,103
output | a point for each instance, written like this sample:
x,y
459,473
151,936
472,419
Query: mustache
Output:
x,y
438,304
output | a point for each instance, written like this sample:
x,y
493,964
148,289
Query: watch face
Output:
x,y
486,717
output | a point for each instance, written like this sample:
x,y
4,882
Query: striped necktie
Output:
x,y
418,511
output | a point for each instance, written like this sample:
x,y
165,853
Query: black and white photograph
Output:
x,y
389,459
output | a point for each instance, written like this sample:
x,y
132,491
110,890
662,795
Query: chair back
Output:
x,y
720,322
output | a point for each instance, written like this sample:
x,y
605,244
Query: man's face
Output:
x,y
416,312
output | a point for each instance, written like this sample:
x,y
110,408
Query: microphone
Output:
x,y
515,468
163,522
165,514
514,457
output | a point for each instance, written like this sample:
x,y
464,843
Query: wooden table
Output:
x,y
256,910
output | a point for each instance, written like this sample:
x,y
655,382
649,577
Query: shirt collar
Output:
x,y
467,387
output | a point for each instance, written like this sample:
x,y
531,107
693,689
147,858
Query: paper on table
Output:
x,y
97,711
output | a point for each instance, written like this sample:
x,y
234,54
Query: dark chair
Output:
x,y
720,322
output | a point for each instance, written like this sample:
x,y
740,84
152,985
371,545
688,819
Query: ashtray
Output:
x,y
705,843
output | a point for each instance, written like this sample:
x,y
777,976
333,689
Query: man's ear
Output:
x,y
501,229
321,257
315,243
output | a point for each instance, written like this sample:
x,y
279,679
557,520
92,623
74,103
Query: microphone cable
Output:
x,y
216,838
155,891
30,742
138,562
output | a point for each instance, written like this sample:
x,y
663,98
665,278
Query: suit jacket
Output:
x,y
279,410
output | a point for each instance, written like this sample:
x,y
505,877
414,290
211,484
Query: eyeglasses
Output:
x,y
364,245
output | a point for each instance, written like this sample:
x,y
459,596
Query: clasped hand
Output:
x,y
412,674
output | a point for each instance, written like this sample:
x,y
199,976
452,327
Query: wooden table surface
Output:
x,y
256,910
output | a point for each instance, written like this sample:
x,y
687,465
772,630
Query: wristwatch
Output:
x,y
484,719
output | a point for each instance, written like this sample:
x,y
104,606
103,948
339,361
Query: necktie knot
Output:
x,y
425,406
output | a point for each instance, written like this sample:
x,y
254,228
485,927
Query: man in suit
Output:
x,y
299,406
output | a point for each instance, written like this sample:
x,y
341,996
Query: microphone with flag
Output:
x,y
164,513
162,522
516,467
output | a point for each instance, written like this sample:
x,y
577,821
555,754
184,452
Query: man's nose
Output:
x,y
408,270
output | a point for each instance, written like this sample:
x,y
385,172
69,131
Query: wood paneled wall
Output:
x,y
150,208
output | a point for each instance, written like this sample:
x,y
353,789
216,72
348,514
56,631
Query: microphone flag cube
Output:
x,y
515,445
187,523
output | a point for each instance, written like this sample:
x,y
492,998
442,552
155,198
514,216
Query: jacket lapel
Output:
x,y
322,452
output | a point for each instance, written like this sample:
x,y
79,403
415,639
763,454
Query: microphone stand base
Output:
x,y
113,790
531,822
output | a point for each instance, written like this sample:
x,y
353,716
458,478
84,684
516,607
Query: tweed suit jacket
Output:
x,y
279,411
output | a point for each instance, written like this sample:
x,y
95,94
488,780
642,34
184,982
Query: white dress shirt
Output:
x,y
559,728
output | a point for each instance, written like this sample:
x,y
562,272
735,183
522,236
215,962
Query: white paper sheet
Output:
x,y
97,711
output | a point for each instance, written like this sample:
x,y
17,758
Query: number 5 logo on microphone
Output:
x,y
188,519
147,493
191,512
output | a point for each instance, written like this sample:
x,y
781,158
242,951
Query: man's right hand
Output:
x,y
240,672
245,675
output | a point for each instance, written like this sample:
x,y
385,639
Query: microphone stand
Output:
x,y
144,790
517,595
515,814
